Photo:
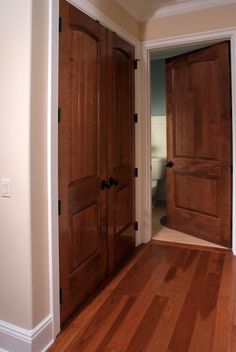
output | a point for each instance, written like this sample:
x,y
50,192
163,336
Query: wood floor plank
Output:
x,y
98,319
184,328
119,320
130,284
123,336
179,274
126,267
146,328
166,299
74,328
104,332
226,300
202,338
139,275
64,340
175,287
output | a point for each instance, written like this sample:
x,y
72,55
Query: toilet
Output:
x,y
158,170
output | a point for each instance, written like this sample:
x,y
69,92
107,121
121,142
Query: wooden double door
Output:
x,y
96,154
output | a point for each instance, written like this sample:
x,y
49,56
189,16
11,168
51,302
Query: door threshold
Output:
x,y
169,236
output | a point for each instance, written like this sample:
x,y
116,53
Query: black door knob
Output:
x,y
113,181
108,183
169,163
105,184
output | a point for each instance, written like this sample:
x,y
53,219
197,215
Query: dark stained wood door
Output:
x,y
199,144
96,155
82,157
121,210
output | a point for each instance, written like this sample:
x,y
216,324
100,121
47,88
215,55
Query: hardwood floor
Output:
x,y
165,299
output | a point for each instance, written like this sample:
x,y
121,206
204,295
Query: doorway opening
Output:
x,y
159,156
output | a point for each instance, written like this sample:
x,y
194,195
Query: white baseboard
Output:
x,y
13,338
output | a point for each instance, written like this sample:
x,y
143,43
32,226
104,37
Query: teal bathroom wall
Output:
x,y
158,88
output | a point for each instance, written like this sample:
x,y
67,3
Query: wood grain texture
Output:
x,y
199,143
165,299
96,144
121,157
82,223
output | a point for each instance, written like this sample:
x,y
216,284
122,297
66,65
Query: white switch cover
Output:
x,y
6,188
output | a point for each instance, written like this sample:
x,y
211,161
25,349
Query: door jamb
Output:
x,y
160,45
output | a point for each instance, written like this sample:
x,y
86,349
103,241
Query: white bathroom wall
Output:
x,y
159,136
158,140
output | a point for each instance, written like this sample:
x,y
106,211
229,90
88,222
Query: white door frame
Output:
x,y
160,45
52,141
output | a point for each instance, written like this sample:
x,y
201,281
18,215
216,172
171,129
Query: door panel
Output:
x,y
121,149
199,143
82,163
85,236
85,58
188,200
123,208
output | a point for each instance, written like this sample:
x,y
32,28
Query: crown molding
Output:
x,y
193,5
175,9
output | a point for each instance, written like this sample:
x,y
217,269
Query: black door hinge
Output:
x,y
231,169
60,24
59,207
136,172
135,118
135,63
59,115
136,226
60,296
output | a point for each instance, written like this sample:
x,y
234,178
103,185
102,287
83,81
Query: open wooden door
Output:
x,y
199,144
82,157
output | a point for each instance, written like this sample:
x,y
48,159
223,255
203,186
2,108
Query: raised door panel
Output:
x,y
189,200
84,236
183,113
84,58
199,143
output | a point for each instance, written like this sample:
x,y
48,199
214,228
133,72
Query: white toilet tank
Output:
x,y
158,168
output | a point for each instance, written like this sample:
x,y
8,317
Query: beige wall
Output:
x,y
38,161
24,295
187,23
113,10
15,246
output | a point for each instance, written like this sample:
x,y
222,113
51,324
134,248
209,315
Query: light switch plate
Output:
x,y
6,188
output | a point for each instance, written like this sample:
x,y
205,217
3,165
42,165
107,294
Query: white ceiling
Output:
x,y
143,10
